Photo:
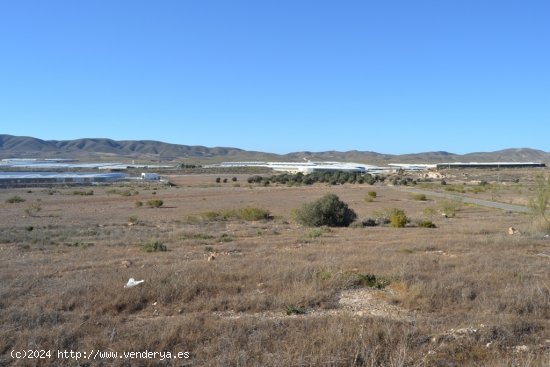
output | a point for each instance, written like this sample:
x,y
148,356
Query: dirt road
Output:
x,y
466,199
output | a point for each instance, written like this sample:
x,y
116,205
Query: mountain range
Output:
x,y
150,150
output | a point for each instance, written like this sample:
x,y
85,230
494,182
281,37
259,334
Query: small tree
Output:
x,y
326,211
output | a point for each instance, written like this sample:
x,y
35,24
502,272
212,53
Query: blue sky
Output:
x,y
280,76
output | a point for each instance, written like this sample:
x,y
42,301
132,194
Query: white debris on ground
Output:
x,y
132,283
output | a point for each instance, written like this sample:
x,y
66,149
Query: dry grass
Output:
x,y
468,292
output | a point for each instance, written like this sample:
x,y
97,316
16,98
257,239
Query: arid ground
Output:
x,y
235,292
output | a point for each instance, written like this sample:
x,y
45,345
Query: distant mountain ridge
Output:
x,y
102,148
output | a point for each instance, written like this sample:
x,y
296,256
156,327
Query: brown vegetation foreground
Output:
x,y
273,293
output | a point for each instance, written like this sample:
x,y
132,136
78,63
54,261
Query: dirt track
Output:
x,y
466,199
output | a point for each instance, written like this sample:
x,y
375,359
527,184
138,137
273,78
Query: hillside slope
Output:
x,y
102,148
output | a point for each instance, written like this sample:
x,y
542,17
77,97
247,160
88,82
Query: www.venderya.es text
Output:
x,y
96,354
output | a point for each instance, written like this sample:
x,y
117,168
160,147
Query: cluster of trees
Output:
x,y
330,177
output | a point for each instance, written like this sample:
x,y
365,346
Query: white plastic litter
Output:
x,y
132,283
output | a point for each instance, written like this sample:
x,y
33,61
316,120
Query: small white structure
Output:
x,y
150,176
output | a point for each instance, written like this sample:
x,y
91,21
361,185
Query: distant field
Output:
x,y
274,293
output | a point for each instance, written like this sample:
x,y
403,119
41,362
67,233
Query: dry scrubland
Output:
x,y
277,294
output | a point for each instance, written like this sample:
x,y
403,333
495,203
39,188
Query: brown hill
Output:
x,y
101,148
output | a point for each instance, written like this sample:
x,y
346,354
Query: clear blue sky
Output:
x,y
280,76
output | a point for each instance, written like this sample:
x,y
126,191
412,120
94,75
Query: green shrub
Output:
x,y
327,211
155,203
83,193
154,246
225,238
127,192
218,180
372,194
248,214
253,214
367,222
295,310
325,274
426,224
370,280
398,218
456,188
234,179
138,204
15,199
214,215
420,197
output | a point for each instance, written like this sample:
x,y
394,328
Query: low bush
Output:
x,y
247,213
127,192
426,224
420,197
367,222
398,218
155,203
327,211
83,193
370,280
154,246
15,199
455,188
252,214
295,310
138,204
